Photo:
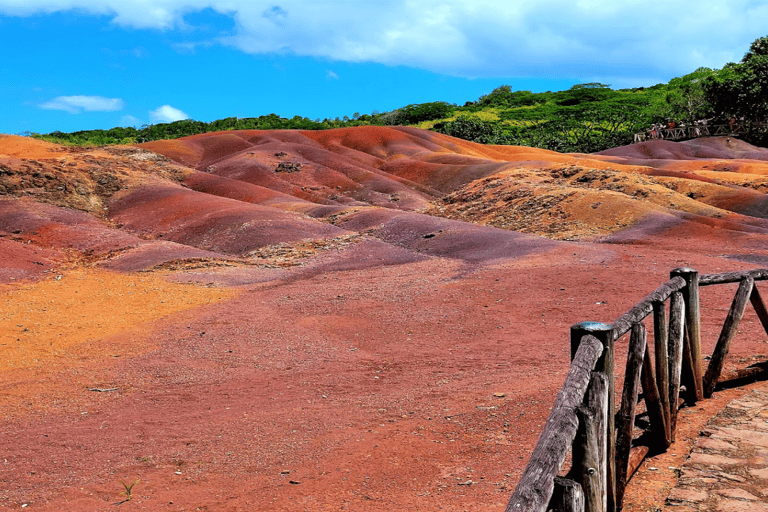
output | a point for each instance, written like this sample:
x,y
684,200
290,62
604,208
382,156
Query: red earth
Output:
x,y
334,320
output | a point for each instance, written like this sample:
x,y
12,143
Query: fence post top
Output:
x,y
591,327
682,271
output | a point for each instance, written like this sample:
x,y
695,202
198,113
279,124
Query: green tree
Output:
x,y
475,130
685,98
741,89
416,113
499,97
584,93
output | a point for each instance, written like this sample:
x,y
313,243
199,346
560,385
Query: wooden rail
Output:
x,y
692,132
584,419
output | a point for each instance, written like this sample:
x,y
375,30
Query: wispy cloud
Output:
x,y
331,75
167,114
129,120
573,38
78,104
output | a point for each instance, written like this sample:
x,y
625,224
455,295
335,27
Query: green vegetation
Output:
x,y
740,91
184,128
128,492
585,118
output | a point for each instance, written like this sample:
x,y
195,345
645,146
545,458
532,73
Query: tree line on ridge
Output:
x,y
585,118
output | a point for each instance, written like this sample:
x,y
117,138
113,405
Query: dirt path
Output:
x,y
717,462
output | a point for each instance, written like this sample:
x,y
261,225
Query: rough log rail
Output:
x,y
584,419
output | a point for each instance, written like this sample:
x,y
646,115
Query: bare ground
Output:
x,y
389,361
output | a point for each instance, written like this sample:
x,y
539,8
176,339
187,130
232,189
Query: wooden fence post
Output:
x,y
535,488
604,334
660,336
676,335
589,464
656,415
626,415
567,496
692,329
726,335
760,309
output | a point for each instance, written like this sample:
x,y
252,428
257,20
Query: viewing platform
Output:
x,y
692,132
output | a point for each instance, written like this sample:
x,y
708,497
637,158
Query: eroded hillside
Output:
x,y
235,197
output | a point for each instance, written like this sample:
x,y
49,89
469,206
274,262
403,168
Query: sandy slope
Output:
x,y
307,320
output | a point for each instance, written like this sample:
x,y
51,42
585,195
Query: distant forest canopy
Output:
x,y
585,118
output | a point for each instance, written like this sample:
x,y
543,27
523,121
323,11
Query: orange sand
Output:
x,y
24,147
41,322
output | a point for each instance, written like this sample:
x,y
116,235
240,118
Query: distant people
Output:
x,y
695,130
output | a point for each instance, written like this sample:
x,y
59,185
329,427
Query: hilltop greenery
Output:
x,y
585,118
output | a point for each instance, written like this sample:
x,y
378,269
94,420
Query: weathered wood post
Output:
x,y
675,341
660,336
567,497
692,337
604,334
760,309
656,414
730,327
692,329
535,488
589,463
626,414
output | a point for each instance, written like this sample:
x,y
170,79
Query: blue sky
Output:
x,y
81,64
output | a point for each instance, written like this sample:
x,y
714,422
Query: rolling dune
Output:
x,y
368,319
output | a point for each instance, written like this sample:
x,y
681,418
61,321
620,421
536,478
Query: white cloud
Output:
x,y
77,104
129,120
565,38
331,75
167,114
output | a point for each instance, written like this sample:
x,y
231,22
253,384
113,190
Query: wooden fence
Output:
x,y
699,130
690,132
584,419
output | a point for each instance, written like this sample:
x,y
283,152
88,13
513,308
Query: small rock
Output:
x,y
732,478
715,460
739,494
289,167
691,495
